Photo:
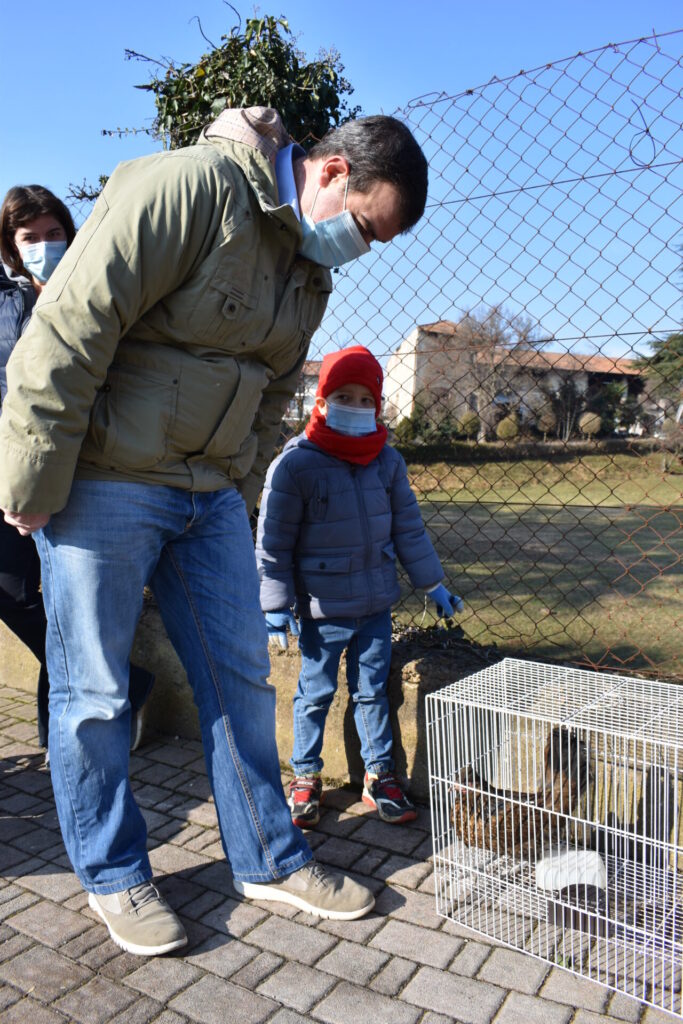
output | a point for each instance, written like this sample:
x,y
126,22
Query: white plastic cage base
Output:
x,y
557,805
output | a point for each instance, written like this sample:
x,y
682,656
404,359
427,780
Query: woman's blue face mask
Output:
x,y
41,258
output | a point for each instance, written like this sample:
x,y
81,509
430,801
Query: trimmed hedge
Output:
x,y
500,451
508,428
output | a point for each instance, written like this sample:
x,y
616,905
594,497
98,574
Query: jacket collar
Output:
x,y
253,137
258,127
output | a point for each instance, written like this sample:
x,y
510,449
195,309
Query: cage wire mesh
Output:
x,y
530,331
556,801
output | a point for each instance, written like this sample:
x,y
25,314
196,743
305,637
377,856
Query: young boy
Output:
x,y
337,510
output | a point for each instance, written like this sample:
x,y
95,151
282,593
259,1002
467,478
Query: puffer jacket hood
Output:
x,y
329,534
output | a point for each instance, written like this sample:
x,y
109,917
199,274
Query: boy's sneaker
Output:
x,y
139,920
384,792
305,797
317,890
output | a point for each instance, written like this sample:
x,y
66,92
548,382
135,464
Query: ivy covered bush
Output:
x,y
260,66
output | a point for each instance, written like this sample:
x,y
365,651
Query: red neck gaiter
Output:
x,y
361,450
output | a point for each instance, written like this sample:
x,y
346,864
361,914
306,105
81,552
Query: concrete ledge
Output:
x,y
416,670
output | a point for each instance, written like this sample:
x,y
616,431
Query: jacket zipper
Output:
x,y
366,533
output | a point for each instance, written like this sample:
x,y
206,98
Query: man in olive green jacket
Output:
x,y
144,402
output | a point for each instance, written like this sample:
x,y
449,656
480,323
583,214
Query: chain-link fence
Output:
x,y
530,332
531,337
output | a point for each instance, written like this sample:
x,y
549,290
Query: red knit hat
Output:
x,y
354,365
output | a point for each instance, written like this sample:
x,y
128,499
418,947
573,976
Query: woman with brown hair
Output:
x,y
36,229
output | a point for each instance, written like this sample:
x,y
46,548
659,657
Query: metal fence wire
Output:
x,y
530,332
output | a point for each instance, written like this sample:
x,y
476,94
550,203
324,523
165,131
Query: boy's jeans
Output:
x,y
195,550
367,641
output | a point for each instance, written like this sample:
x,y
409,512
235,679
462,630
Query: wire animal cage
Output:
x,y
556,801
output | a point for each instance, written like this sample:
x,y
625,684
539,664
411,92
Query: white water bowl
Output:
x,y
563,867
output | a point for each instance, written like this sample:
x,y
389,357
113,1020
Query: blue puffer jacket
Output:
x,y
329,533
16,305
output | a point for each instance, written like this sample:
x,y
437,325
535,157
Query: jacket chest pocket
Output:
x,y
237,309
298,314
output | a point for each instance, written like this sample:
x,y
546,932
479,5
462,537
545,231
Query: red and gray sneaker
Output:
x,y
305,797
384,792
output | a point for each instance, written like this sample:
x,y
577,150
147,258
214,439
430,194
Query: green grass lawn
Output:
x,y
604,480
556,566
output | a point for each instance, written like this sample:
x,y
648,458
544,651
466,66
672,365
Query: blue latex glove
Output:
x,y
277,624
446,603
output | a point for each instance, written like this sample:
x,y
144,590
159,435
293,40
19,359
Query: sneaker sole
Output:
x,y
131,947
406,816
258,891
305,822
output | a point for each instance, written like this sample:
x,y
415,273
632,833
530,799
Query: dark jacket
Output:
x,y
329,533
16,304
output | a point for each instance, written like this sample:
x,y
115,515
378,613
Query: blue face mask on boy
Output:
x,y
41,258
347,420
334,241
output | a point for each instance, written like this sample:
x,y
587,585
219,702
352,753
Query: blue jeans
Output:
x,y
196,552
367,642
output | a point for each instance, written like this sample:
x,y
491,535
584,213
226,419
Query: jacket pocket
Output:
x,y
325,576
233,304
234,430
131,419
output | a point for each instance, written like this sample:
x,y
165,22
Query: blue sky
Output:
x,y
64,78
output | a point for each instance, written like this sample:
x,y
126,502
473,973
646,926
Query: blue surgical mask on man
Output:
x,y
41,258
333,241
346,419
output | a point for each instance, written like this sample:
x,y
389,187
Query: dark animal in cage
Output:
x,y
517,823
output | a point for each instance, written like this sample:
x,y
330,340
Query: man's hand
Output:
x,y
278,623
26,522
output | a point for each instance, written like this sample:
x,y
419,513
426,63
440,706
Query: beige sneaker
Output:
x,y
315,889
140,920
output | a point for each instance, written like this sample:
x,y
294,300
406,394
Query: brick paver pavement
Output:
x,y
250,962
